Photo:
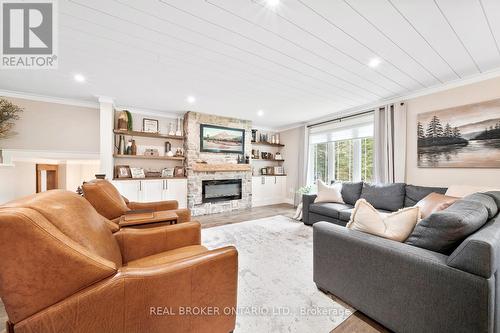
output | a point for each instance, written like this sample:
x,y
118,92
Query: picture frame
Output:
x,y
150,125
167,172
122,171
219,139
179,171
137,173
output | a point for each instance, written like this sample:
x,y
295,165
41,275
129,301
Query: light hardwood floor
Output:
x,y
357,323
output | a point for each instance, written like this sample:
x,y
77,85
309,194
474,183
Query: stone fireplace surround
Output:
x,y
192,121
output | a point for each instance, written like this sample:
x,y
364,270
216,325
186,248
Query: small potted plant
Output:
x,y
9,113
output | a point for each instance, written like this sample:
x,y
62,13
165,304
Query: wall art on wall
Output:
x,y
217,139
466,136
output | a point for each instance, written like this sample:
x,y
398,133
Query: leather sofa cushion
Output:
x,y
328,209
384,196
416,193
443,231
167,256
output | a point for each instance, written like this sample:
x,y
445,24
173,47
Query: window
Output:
x,y
342,151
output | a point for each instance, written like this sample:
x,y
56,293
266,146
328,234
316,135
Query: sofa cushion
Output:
x,y
434,202
345,215
395,226
384,196
351,192
495,195
416,193
328,208
486,200
443,231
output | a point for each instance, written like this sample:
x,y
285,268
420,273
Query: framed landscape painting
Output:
x,y
460,137
217,139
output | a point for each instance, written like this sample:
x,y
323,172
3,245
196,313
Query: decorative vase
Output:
x,y
133,148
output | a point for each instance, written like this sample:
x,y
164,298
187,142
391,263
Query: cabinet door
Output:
x,y
176,189
151,190
129,189
281,189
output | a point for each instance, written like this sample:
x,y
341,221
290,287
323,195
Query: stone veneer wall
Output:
x,y
192,121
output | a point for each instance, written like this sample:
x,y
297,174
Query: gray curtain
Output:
x,y
390,143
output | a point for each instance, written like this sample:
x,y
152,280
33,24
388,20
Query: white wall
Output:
x,y
473,93
18,181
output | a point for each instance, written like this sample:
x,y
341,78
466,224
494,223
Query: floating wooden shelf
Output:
x,y
150,178
228,167
148,135
262,143
143,157
283,175
263,159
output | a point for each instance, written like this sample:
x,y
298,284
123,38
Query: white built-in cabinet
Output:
x,y
154,190
268,190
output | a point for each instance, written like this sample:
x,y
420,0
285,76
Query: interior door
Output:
x,y
46,177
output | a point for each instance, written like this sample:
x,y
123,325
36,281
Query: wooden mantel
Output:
x,y
226,167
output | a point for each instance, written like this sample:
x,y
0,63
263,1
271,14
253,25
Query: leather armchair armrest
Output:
x,y
156,206
140,299
140,243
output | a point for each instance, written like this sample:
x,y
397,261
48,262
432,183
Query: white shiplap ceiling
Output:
x,y
303,60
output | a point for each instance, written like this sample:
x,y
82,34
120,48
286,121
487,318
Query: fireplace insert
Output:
x,y
221,190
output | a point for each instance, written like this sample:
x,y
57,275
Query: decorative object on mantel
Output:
x,y
223,167
254,135
168,148
150,125
151,152
122,121
278,157
133,148
153,174
122,171
137,173
218,139
465,136
255,154
247,159
9,113
179,152
128,150
100,176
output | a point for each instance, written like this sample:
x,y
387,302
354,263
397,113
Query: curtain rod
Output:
x,y
345,117
340,118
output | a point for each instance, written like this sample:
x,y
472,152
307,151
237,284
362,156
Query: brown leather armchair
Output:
x,y
112,205
64,271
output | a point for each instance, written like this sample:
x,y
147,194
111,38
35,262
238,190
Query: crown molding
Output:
x,y
419,93
152,112
48,99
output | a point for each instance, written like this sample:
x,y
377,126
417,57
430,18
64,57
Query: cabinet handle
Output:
x,y
263,180
275,179
140,185
166,184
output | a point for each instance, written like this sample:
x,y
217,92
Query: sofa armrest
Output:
x,y
381,278
139,243
479,253
156,206
307,199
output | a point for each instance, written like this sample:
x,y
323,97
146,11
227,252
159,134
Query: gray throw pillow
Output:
x,y
416,193
443,231
384,196
495,195
351,192
486,200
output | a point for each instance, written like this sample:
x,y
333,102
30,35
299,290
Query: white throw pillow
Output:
x,y
329,193
396,226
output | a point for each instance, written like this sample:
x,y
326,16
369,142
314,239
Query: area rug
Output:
x,y
276,292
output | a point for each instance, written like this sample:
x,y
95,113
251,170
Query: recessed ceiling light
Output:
x,y
273,3
374,62
260,113
191,99
79,78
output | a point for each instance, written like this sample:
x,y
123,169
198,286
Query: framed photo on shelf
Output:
x,y
217,139
122,171
167,172
150,125
137,173
179,171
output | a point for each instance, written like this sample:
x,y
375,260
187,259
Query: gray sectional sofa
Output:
x,y
434,282
385,198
